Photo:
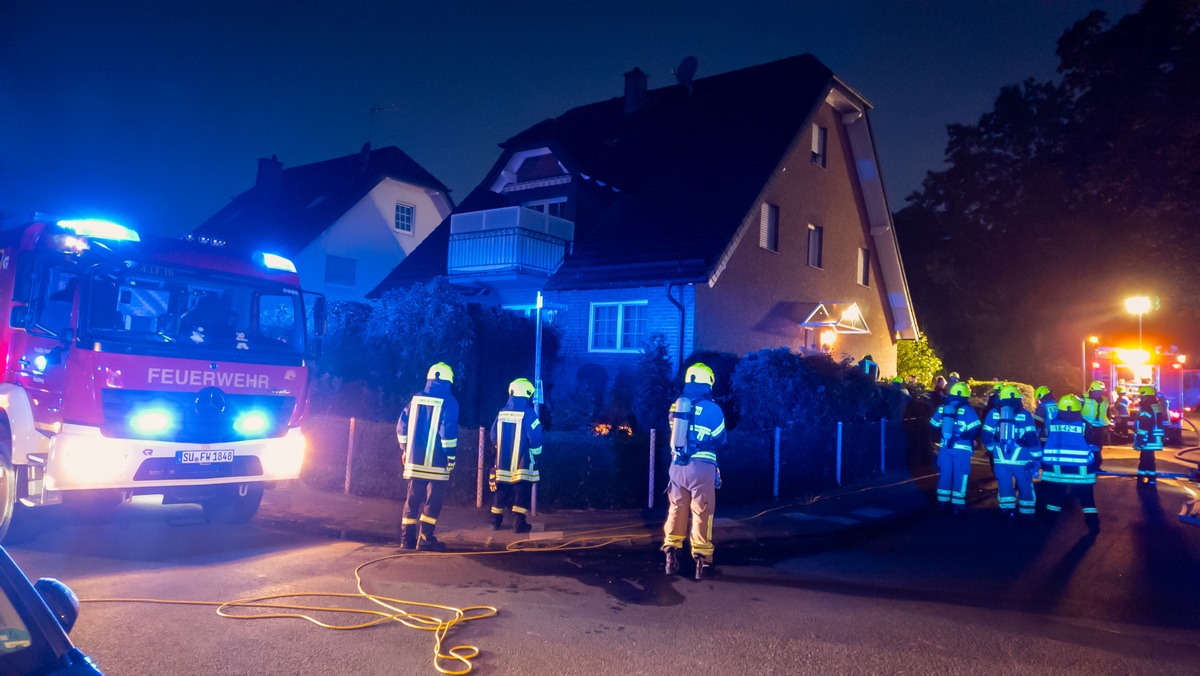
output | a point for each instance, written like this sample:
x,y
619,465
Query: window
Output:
x,y
816,234
864,266
405,215
768,227
618,327
555,206
820,136
339,271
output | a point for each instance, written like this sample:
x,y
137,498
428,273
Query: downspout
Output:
x,y
682,317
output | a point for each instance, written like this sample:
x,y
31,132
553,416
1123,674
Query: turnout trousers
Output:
x,y
517,496
691,491
423,504
1059,495
1147,466
955,469
1023,498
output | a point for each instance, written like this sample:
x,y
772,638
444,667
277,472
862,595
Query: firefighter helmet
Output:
x,y
960,389
441,371
1070,402
1041,391
1096,386
699,373
1009,392
1147,390
520,387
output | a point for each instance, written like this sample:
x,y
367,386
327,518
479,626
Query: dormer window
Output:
x,y
554,206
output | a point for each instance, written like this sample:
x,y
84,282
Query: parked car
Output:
x,y
34,622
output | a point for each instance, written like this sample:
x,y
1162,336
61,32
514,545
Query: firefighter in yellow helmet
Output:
x,y
517,436
428,436
960,427
1068,472
1095,414
1010,435
697,430
1148,436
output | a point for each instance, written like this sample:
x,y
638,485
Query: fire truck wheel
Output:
x,y
229,506
15,520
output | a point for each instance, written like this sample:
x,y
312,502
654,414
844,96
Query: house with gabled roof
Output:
x,y
729,213
345,222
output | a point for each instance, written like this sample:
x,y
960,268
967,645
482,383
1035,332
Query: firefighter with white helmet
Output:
x,y
428,436
517,436
1148,437
960,427
697,430
1010,435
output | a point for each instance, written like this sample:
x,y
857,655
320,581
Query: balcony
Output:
x,y
509,246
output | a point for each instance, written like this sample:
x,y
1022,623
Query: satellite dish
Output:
x,y
685,72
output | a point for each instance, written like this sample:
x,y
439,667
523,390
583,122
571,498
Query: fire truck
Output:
x,y
137,365
1133,367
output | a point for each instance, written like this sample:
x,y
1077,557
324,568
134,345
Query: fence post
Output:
x,y
882,445
349,457
839,454
775,489
650,490
479,474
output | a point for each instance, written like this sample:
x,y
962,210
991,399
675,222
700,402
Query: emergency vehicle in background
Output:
x,y
147,366
1131,368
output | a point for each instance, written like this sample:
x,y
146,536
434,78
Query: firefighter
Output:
x,y
1047,408
1068,472
1148,436
697,430
428,436
517,436
870,367
1010,435
959,425
1095,414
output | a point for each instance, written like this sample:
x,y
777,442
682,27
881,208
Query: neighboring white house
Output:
x,y
345,222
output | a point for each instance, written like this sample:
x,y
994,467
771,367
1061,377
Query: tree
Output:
x,y
918,358
656,384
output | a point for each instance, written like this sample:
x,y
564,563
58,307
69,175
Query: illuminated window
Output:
x,y
864,267
820,135
618,327
405,215
768,227
816,237
340,271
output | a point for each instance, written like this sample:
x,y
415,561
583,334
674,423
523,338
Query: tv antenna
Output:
x,y
686,72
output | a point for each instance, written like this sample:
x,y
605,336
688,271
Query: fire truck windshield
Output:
x,y
190,313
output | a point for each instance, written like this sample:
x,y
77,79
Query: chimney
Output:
x,y
270,173
635,90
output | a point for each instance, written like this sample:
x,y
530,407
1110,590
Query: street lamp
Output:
x,y
1138,305
1084,360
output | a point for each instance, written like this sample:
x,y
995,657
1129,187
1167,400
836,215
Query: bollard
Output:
x,y
349,457
839,455
775,491
650,490
479,474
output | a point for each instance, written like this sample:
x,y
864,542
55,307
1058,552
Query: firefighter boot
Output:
x,y
408,536
672,567
704,567
496,520
426,542
1093,522
520,525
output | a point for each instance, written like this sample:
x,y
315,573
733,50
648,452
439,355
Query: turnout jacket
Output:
x,y
1010,435
428,433
707,431
1047,408
1151,416
959,425
517,436
1068,456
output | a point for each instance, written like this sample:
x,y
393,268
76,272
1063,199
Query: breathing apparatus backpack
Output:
x,y
682,416
1007,434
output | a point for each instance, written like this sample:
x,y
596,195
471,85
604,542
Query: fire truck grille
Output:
x,y
205,417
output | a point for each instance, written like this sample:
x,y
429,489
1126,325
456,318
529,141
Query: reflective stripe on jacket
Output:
x,y
517,435
428,433
959,424
1010,436
1065,444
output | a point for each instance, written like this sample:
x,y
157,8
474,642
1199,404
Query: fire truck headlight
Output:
x,y
285,456
251,423
152,422
92,460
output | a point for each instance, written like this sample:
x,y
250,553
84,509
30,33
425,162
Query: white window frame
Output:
x,y
620,305
818,232
820,145
543,206
864,267
354,269
396,221
768,227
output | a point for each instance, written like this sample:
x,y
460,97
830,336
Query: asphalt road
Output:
x,y
927,595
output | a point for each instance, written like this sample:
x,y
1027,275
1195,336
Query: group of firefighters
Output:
x,y
1063,440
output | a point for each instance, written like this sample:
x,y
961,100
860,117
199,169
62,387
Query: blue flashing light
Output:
x,y
276,262
100,229
251,423
39,363
152,422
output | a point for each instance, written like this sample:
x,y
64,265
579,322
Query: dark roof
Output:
x,y
686,168
286,214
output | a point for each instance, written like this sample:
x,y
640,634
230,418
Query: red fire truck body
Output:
x,y
135,366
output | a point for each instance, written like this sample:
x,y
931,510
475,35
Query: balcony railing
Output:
x,y
511,239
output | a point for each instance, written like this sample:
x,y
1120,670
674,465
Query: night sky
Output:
x,y
155,112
